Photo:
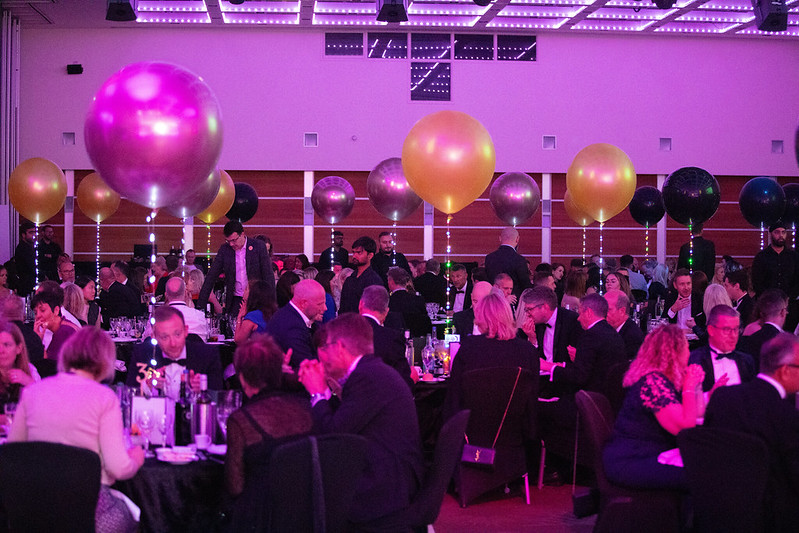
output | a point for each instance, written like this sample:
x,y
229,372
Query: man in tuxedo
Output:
x,y
363,250
115,299
336,254
772,308
760,408
389,344
66,272
241,260
736,283
292,325
464,320
703,257
386,257
430,285
375,403
619,319
549,327
121,272
460,290
175,296
504,284
681,308
722,363
409,306
506,259
172,355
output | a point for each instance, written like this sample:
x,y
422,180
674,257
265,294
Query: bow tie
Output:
x,y
720,355
459,291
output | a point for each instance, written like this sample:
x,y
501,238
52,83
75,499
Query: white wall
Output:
x,y
721,100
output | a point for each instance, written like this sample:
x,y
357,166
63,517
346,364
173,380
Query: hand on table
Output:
x,y
690,323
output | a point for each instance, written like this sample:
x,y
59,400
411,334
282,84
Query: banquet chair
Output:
x,y
312,482
486,393
727,473
622,510
46,486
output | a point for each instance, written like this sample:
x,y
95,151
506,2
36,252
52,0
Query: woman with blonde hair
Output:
x,y
660,402
194,282
16,371
75,303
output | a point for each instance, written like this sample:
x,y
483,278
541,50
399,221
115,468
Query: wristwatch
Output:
x,y
317,397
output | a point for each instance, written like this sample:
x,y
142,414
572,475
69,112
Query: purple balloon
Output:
x,y
199,199
153,132
515,197
389,192
333,198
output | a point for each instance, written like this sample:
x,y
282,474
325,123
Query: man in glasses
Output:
x,y
722,363
241,260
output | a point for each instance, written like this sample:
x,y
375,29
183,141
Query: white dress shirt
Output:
x,y
241,270
549,337
724,365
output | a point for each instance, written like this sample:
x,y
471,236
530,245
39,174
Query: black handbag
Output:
x,y
480,455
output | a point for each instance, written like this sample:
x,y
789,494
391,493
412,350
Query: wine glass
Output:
x,y
432,310
428,358
146,422
165,428
10,409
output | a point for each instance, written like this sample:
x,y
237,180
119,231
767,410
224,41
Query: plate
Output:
x,y
217,449
432,380
176,456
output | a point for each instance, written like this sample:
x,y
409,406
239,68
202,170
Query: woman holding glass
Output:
x,y
16,372
74,408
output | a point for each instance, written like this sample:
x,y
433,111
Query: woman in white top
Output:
x,y
74,408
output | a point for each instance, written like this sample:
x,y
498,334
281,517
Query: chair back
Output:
x,y
596,420
727,473
46,486
312,481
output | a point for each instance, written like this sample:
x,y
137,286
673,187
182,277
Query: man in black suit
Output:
x,y
460,290
336,254
722,363
363,250
430,285
386,257
772,308
549,327
389,344
760,408
121,272
619,319
506,259
704,254
375,403
241,260
409,306
12,309
736,283
681,308
115,299
172,355
464,320
292,325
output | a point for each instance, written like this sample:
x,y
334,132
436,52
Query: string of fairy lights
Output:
x,y
448,263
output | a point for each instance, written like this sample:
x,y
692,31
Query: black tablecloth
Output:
x,y
177,498
429,397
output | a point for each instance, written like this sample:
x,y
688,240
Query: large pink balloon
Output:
x,y
389,192
154,132
333,198
198,199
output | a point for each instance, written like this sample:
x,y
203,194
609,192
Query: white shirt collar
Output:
x,y
398,289
594,323
352,367
308,322
180,357
369,315
774,384
553,319
776,326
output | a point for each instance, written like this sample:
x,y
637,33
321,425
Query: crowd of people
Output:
x,y
320,348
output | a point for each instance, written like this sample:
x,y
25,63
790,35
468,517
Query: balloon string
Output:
x,y
762,236
584,236
601,225
332,246
36,256
97,259
394,244
151,228
646,253
208,244
448,263
691,253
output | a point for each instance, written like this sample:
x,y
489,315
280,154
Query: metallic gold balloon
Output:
x,y
222,203
448,158
574,212
37,189
601,180
96,199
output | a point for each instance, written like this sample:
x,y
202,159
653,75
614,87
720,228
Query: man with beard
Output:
x,y
386,257
777,267
363,250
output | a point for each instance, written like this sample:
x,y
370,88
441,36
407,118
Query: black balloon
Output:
x,y
647,207
691,195
245,205
791,215
762,201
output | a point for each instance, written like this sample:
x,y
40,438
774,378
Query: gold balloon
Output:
x,y
574,212
601,180
97,200
37,189
448,159
223,201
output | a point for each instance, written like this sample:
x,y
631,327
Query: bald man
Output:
x,y
115,299
619,319
464,320
175,296
293,325
507,260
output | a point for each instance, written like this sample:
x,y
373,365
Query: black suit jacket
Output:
x,y
568,332
288,329
599,350
119,300
697,312
704,256
467,295
259,266
702,356
506,259
432,287
752,344
377,405
200,357
389,345
464,322
412,308
746,308
633,338
757,409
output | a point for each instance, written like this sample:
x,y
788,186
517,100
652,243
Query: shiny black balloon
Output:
x,y
647,207
245,205
691,195
762,201
791,215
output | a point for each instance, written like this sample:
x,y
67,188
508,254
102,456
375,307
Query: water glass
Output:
x,y
146,423
10,410
432,310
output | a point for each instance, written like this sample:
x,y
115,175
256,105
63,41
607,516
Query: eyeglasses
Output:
x,y
531,310
232,240
726,331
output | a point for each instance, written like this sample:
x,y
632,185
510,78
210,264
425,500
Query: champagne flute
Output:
x,y
145,421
